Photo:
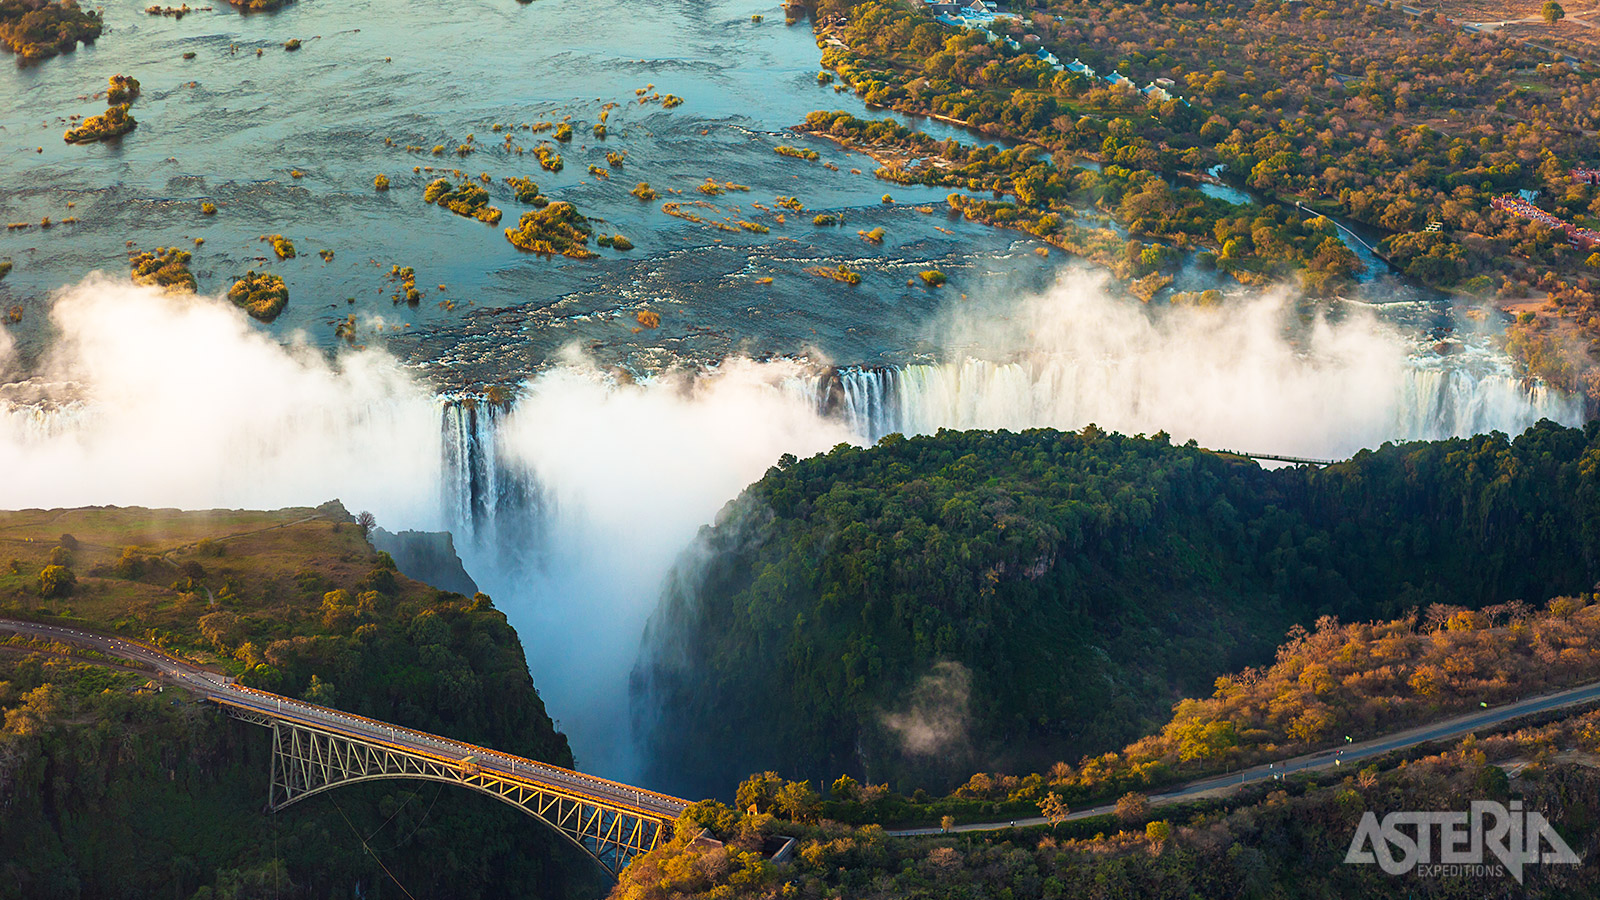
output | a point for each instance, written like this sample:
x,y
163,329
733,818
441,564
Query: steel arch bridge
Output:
x,y
611,822
315,749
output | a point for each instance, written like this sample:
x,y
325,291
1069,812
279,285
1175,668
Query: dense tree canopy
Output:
x,y
927,604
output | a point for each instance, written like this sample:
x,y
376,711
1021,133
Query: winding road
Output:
x,y
1323,759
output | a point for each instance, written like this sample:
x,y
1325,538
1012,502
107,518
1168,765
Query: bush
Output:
x,y
796,152
113,122
932,277
167,267
381,182
56,581
34,31
526,190
124,89
558,228
262,295
644,191
282,246
469,200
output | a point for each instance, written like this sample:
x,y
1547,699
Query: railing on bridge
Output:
x,y
1296,460
314,750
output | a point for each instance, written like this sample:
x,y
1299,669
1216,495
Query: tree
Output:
x,y
947,822
1053,809
56,581
1158,832
1132,807
367,521
1552,12
758,792
796,801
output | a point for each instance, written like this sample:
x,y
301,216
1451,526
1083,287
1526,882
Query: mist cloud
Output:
x,y
935,719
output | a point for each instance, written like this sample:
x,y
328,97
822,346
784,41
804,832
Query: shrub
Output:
x,y
381,182
468,200
56,581
167,267
648,318
558,228
208,208
644,191
563,132
262,295
282,246
113,122
796,152
124,89
35,31
525,189
291,45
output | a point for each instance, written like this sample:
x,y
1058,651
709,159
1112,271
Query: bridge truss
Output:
x,y
307,760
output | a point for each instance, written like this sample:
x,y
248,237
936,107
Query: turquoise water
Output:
x,y
229,126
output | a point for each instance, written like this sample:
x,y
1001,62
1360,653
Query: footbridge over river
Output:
x,y
315,749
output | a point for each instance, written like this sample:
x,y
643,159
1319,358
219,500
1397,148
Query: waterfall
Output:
x,y
1431,402
490,503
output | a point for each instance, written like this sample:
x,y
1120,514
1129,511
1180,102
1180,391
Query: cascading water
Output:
x,y
488,503
1429,403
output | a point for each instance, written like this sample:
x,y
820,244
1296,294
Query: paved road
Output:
x,y
223,690
1324,759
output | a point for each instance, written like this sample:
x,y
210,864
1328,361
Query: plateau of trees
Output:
x,y
931,603
112,789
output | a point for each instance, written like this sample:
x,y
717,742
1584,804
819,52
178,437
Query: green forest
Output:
x,y
936,605
112,788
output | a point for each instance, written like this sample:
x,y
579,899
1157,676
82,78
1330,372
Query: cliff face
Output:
x,y
112,788
426,556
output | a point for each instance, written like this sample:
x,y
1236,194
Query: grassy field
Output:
x,y
153,574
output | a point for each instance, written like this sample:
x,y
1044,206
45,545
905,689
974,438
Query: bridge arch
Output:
x,y
307,760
